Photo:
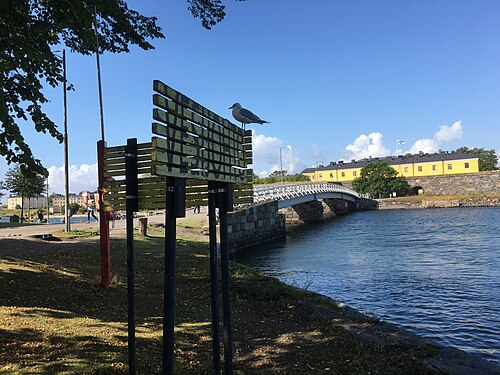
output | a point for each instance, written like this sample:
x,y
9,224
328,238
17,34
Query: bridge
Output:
x,y
294,194
276,206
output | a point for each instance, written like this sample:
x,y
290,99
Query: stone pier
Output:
x,y
255,225
310,212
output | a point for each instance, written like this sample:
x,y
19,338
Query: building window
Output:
x,y
321,176
466,165
331,175
434,167
354,173
450,167
343,174
406,170
420,168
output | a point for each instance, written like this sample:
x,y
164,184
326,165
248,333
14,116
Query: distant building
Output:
x,y
418,165
86,195
59,200
36,202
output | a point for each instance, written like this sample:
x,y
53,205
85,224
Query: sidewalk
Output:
x,y
118,231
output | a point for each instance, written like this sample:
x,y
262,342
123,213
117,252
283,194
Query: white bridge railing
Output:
x,y
285,192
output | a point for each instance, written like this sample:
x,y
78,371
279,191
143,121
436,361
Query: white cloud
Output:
x,y
424,145
83,177
449,133
365,146
444,134
266,156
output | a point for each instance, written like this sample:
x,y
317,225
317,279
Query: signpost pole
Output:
x,y
169,281
224,202
214,289
103,223
131,207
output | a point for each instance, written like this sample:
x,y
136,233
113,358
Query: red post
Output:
x,y
103,221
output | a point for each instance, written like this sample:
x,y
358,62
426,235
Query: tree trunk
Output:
x,y
22,208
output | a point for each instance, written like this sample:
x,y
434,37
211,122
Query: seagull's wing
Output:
x,y
249,115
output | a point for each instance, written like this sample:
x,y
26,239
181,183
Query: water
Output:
x,y
74,219
57,219
435,272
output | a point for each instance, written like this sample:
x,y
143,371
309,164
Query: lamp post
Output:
x,y
281,161
399,142
67,216
316,174
48,199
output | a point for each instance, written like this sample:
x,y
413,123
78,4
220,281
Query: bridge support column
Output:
x,y
335,206
310,212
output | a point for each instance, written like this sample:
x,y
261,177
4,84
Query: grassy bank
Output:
x,y
55,318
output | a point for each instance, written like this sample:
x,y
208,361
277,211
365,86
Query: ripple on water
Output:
x,y
435,272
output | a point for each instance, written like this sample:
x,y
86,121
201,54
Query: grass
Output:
x,y
197,222
78,233
55,318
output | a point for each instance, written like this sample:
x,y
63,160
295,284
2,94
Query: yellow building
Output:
x,y
418,165
36,202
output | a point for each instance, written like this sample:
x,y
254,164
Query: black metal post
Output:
x,y
169,281
224,198
98,63
214,288
131,207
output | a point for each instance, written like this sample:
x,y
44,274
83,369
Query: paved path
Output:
x,y
118,231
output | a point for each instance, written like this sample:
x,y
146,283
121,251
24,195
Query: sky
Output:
x,y
338,80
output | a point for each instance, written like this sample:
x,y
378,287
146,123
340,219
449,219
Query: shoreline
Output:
x,y
437,202
334,314
447,360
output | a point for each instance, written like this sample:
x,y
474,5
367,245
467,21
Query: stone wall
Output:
x,y
254,226
396,204
482,182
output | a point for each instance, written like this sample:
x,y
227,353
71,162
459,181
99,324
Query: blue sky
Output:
x,y
340,79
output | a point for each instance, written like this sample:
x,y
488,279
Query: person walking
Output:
x,y
90,210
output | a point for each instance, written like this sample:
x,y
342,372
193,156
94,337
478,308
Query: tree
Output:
x,y
24,184
488,159
275,177
74,208
30,30
379,179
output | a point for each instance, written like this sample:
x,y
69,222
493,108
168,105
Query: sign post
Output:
x,y
195,158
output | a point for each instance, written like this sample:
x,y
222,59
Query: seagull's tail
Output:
x,y
265,122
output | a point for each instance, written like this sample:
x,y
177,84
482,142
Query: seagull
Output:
x,y
245,116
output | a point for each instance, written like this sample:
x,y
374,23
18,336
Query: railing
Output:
x,y
285,192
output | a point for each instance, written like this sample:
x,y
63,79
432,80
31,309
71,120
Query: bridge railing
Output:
x,y
284,192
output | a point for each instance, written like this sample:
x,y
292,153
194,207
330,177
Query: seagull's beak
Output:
x,y
231,107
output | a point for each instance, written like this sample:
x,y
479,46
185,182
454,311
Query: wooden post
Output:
x,y
143,226
131,207
103,222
